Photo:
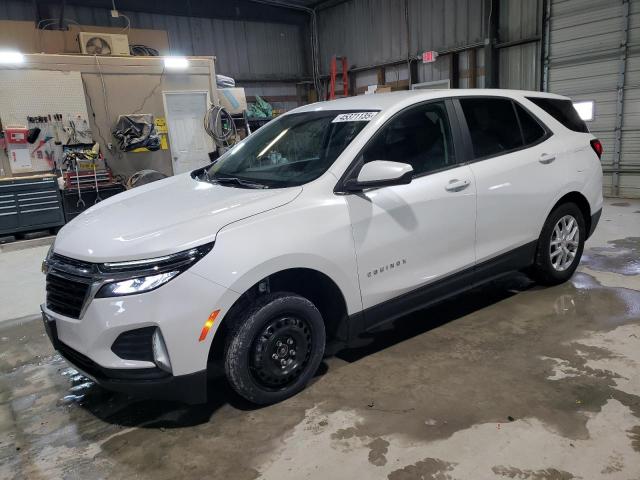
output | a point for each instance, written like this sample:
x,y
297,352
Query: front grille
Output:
x,y
135,344
67,285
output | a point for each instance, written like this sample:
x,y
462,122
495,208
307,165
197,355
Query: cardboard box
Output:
x,y
233,99
377,89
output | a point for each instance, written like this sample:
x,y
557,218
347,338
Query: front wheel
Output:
x,y
275,348
560,245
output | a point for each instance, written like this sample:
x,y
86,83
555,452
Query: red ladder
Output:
x,y
334,77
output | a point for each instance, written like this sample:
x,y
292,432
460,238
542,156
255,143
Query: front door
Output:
x,y
190,145
408,236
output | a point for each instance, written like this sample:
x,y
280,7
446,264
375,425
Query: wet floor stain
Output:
x,y
491,371
379,448
546,474
429,468
634,435
620,256
621,204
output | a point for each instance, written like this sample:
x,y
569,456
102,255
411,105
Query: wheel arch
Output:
x,y
310,283
582,203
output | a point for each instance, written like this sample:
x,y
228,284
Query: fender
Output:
x,y
350,291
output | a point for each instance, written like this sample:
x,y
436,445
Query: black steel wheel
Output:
x,y
275,348
281,352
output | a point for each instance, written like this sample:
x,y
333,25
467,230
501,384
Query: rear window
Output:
x,y
493,125
532,131
562,111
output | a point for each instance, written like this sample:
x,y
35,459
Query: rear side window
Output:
x,y
562,111
493,125
532,131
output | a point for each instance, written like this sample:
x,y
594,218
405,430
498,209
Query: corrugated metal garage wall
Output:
x,y
520,64
587,59
374,32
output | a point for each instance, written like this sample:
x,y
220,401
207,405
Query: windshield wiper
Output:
x,y
239,181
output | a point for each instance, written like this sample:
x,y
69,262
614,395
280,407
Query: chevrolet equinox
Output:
x,y
327,222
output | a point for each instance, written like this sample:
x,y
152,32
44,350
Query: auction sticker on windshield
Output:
x,y
354,117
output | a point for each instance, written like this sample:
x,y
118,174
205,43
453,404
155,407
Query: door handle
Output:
x,y
546,158
456,185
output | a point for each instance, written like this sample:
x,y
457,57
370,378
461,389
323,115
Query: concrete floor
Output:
x,y
510,381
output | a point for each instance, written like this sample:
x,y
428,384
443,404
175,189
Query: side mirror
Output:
x,y
380,173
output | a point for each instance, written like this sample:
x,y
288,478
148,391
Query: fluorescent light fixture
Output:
x,y
585,109
11,56
177,63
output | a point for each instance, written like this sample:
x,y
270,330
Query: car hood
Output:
x,y
163,217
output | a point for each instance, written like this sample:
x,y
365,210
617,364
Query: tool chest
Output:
x,y
29,203
74,207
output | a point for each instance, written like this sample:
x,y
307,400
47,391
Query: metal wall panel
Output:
x,y
444,24
520,19
16,10
371,32
438,70
585,61
520,67
245,50
367,32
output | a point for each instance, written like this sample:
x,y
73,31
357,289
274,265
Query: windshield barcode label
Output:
x,y
354,117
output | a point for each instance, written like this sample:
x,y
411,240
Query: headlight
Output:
x,y
138,276
45,262
136,285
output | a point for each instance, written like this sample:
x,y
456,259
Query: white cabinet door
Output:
x,y
190,144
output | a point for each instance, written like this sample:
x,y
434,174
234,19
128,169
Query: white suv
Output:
x,y
326,222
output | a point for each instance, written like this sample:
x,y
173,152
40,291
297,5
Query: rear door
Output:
x,y
515,169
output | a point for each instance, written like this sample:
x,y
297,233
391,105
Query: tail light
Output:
x,y
597,147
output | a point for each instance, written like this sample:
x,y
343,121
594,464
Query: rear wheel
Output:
x,y
560,245
275,348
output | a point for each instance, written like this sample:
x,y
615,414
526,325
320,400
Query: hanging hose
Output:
x,y
219,125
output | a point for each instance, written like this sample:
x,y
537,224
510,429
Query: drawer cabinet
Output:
x,y
29,203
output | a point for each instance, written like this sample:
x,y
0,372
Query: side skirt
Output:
x,y
423,297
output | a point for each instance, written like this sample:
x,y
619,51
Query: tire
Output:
x,y
275,348
555,263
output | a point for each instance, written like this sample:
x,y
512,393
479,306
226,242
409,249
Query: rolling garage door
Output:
x,y
593,54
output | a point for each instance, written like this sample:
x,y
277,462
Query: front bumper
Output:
x,y
142,382
179,309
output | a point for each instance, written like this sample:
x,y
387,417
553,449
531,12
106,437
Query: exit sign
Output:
x,y
429,57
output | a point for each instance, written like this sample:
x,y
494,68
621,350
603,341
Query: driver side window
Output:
x,y
419,136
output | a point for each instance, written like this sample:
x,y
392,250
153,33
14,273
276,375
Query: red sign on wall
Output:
x,y
429,57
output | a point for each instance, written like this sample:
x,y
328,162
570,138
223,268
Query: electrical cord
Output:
x,y
140,50
213,124
128,26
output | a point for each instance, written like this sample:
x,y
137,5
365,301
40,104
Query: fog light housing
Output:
x,y
160,354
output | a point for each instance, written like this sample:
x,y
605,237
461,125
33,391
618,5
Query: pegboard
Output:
x,y
30,93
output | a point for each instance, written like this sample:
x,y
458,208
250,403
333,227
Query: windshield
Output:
x,y
289,151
